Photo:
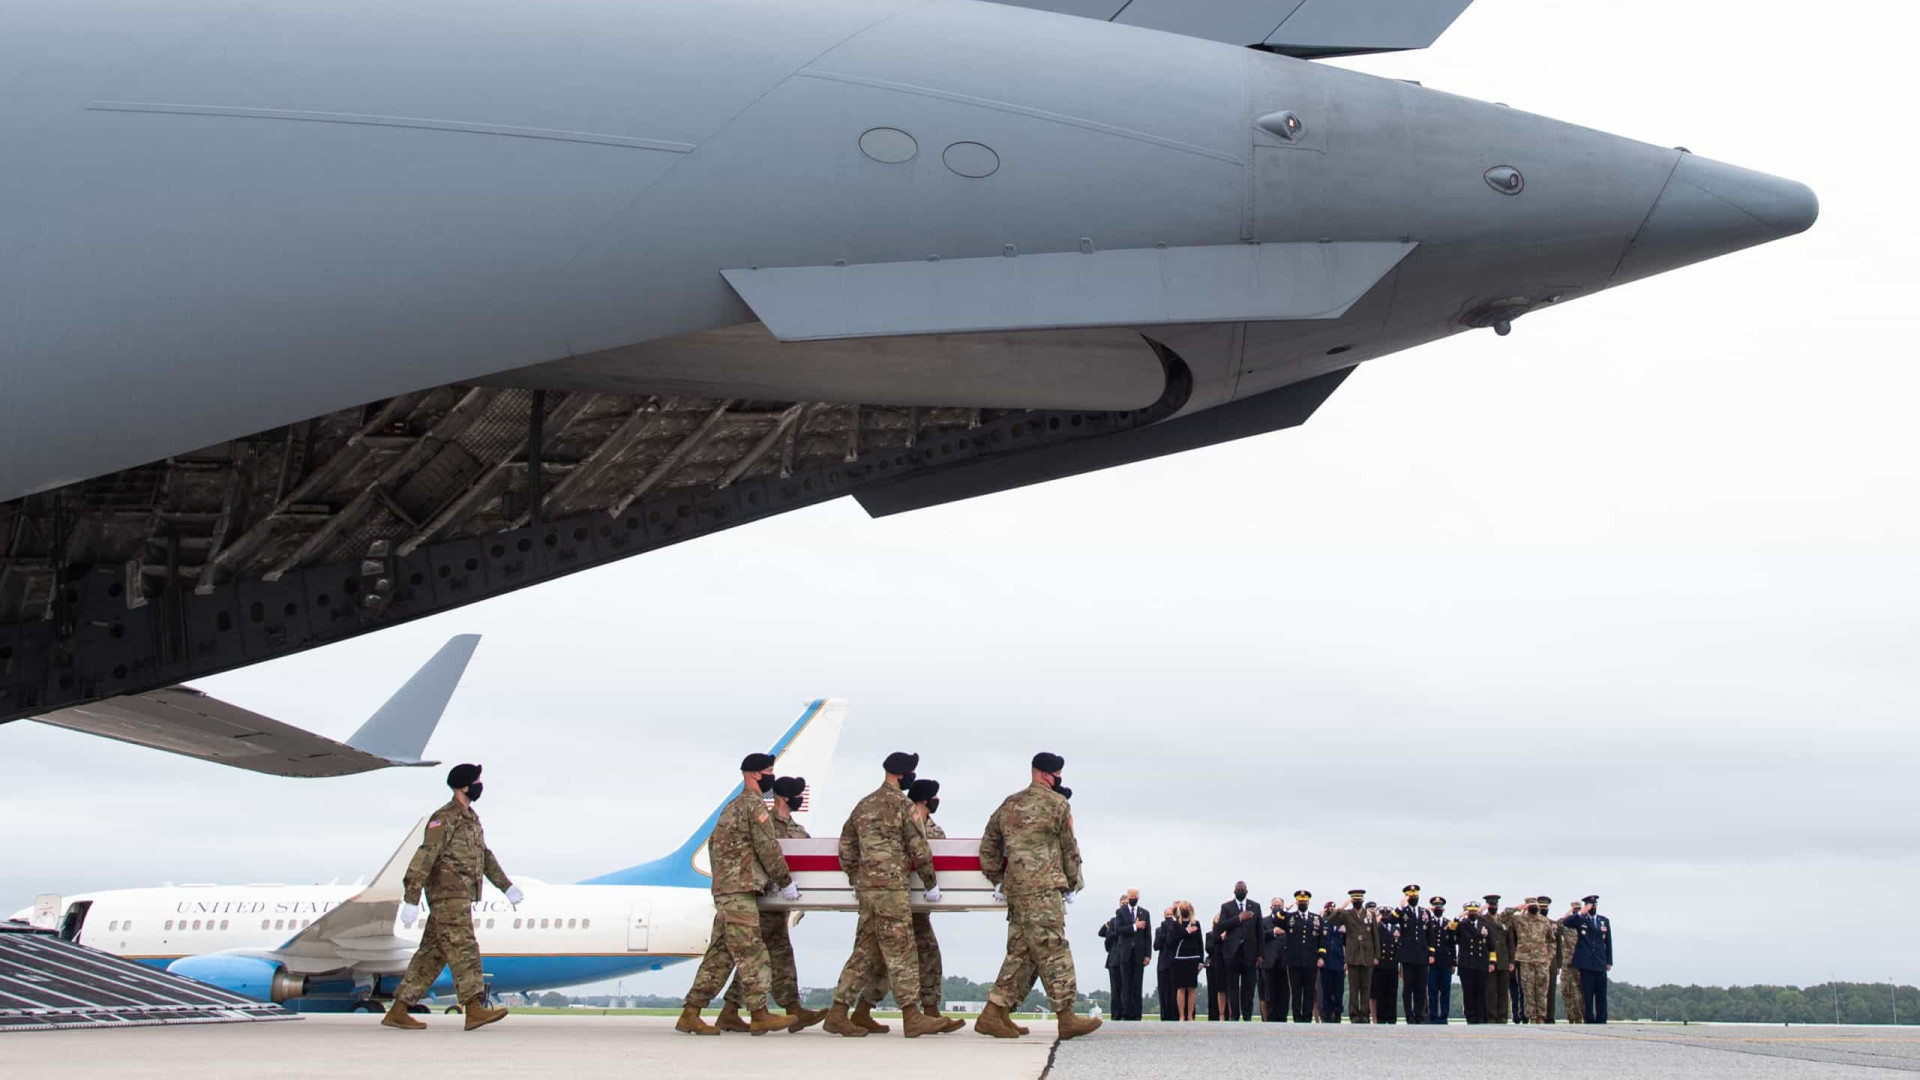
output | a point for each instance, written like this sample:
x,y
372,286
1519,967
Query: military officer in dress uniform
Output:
x,y
1333,965
789,795
1305,950
1362,952
452,859
1499,1000
1416,925
1029,852
1440,975
1593,956
1386,974
744,856
1475,936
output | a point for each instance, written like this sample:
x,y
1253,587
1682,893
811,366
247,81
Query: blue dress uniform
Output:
x,y
1417,927
1305,934
1386,975
1440,976
1333,974
1593,956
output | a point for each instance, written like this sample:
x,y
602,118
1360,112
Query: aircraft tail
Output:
x,y
399,730
805,750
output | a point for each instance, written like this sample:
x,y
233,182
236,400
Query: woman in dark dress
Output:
x,y
1216,974
1189,949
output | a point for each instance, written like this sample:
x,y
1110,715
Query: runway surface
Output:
x,y
587,1047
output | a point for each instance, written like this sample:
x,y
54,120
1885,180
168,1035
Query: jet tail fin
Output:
x,y
806,750
400,729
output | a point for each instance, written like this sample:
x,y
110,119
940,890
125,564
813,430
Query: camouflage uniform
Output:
x,y
745,856
1533,951
925,946
784,976
452,858
1570,1000
1029,851
880,843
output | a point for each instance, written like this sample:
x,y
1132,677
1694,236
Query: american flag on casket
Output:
x,y
823,885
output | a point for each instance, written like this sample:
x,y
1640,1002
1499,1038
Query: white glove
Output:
x,y
409,914
515,896
789,892
999,896
1068,897
933,894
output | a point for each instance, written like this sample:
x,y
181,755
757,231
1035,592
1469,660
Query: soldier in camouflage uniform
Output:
x,y
880,845
924,796
1030,853
745,856
1533,952
1566,940
789,793
452,858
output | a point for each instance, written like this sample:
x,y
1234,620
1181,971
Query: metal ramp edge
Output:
x,y
48,984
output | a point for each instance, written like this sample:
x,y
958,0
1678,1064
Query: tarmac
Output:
x,y
587,1047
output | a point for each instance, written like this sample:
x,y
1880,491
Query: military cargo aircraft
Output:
x,y
321,315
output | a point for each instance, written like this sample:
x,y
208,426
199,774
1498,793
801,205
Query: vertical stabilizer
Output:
x,y
399,730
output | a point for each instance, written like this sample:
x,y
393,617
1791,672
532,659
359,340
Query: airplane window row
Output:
x,y
558,924
118,925
285,924
183,925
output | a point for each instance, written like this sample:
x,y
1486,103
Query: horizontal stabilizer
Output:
x,y
1126,287
182,720
359,930
1305,28
1289,406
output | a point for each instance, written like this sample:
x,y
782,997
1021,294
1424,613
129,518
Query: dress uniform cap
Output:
x,y
1590,899
461,775
1492,898
1356,893
756,762
1544,900
900,763
1438,901
1411,889
1472,905
922,790
790,787
1047,762
1302,894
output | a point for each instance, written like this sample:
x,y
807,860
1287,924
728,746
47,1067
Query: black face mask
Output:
x,y
906,780
1239,894
933,805
1302,905
1533,909
794,804
473,791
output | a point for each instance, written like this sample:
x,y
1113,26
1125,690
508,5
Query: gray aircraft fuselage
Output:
x,y
312,309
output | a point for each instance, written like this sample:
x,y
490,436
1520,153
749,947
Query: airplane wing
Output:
x,y
359,933
182,720
1303,28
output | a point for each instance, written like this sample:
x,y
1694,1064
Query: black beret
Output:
x,y
900,763
756,763
922,790
1046,762
461,775
788,787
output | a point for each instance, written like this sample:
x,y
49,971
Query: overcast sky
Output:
x,y
1624,603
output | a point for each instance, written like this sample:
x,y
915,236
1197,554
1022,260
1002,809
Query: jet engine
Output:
x,y
249,976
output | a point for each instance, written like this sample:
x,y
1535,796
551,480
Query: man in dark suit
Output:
x,y
1132,953
1239,937
1306,946
1272,974
1163,943
1110,938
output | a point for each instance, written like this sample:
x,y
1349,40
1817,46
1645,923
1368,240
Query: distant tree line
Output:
x,y
1851,1003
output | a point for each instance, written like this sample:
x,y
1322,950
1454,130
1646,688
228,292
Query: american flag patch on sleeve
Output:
x,y
433,824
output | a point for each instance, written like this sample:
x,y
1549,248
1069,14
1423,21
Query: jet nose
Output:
x,y
1710,208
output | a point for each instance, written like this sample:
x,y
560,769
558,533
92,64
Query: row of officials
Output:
x,y
1364,961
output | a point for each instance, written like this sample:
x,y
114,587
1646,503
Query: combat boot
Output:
x,y
994,1021
863,1016
764,1021
729,1020
478,1014
839,1024
914,1023
1072,1026
691,1023
947,1023
800,1018
401,1016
